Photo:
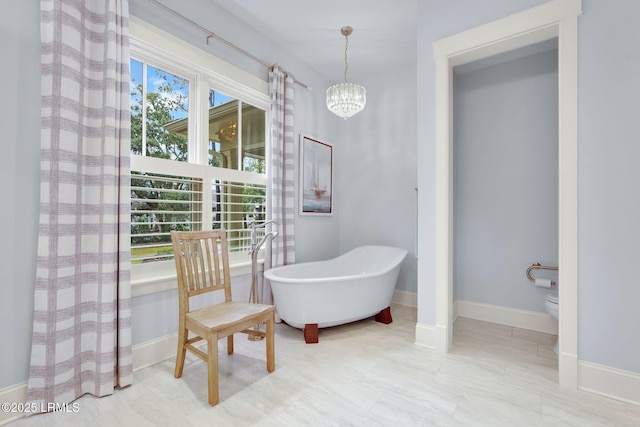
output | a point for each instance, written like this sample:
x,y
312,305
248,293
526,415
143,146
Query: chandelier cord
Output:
x,y
346,64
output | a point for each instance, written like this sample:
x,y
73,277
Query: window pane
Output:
x,y
136,106
236,206
223,130
253,135
167,115
224,134
159,113
160,204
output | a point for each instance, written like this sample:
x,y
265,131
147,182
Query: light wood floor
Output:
x,y
362,374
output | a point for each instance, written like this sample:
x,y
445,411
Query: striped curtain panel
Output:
x,y
281,179
82,320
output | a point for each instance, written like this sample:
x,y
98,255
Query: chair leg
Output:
x,y
230,344
182,338
212,369
271,362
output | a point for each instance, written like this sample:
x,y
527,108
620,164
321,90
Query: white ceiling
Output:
x,y
384,31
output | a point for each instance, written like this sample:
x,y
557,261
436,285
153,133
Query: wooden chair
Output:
x,y
202,265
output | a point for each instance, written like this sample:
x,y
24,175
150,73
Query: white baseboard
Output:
x,y
154,351
609,382
568,369
444,338
532,320
426,336
14,394
409,299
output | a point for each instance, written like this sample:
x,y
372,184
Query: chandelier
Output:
x,y
346,99
228,130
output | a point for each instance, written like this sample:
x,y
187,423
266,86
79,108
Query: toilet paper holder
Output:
x,y
537,266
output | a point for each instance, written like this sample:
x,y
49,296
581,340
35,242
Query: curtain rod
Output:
x,y
211,34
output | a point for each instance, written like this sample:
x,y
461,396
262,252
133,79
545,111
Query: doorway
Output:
x,y
557,19
505,190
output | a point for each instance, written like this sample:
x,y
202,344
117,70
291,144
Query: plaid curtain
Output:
x,y
281,179
82,323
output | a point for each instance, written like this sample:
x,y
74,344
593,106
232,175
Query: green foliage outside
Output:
x,y
161,108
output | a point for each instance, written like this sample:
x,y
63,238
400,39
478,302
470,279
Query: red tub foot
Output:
x,y
311,333
384,316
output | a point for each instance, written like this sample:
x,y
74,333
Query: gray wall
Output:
x,y
609,175
20,175
377,171
505,182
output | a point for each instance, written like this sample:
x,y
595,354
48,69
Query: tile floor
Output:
x,y
362,374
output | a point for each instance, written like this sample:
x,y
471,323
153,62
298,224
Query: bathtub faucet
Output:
x,y
255,247
254,298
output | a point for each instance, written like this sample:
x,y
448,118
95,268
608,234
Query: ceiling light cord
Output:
x,y
346,64
346,32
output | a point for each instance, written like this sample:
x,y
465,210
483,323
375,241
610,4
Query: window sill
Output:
x,y
151,285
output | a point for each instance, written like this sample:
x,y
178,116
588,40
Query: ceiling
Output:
x,y
384,32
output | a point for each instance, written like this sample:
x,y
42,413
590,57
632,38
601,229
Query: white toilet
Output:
x,y
551,305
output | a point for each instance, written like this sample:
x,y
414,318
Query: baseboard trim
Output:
x,y
609,382
13,394
155,351
531,320
409,299
426,336
568,369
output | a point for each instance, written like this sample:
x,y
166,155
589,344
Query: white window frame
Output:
x,y
204,72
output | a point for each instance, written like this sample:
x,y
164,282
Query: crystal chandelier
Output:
x,y
346,99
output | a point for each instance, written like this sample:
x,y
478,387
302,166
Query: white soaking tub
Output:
x,y
353,286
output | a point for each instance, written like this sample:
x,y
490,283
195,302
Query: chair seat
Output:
x,y
220,316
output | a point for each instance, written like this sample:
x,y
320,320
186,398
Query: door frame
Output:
x,y
555,19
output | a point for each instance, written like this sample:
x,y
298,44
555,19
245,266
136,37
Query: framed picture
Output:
x,y
316,177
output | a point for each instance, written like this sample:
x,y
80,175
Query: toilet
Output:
x,y
551,305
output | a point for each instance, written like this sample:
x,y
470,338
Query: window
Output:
x,y
198,144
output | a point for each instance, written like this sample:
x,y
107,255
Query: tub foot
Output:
x,y
311,333
384,316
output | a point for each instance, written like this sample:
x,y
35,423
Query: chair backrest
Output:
x,y
202,263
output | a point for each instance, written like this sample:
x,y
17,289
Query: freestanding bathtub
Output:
x,y
353,286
